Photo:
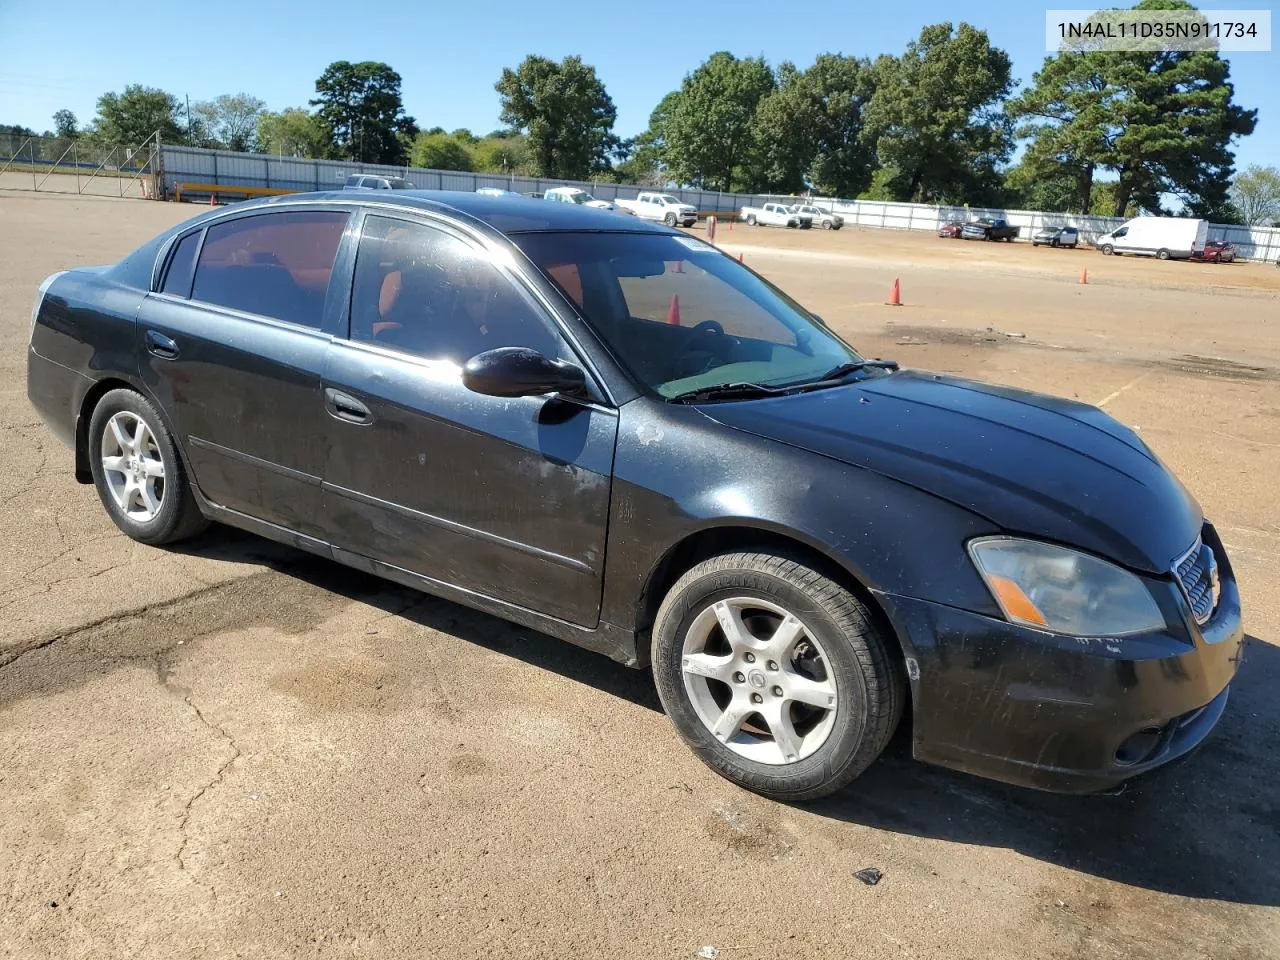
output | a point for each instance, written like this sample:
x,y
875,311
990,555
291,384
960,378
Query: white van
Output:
x,y
1169,238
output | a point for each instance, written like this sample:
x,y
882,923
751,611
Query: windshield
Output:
x,y
667,198
680,315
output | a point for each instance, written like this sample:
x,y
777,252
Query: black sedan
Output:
x,y
614,433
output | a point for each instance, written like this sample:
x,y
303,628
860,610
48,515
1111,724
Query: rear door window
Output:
x,y
275,264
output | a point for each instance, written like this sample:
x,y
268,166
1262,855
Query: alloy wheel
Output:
x,y
759,680
133,466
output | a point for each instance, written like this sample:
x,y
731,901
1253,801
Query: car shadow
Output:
x,y
1206,826
529,646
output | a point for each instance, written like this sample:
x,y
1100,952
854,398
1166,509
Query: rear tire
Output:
x,y
1162,254
751,220
136,469
826,648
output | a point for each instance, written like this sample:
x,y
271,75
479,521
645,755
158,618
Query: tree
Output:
x,y
360,111
134,115
809,130
1161,121
503,152
463,135
935,118
704,132
231,119
65,125
564,110
440,151
1256,194
293,132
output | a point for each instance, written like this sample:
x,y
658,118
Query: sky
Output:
x,y
450,55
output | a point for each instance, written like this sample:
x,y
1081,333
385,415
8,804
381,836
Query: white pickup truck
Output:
x,y
580,197
776,215
661,206
823,218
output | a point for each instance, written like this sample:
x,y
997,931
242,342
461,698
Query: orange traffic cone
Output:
x,y
895,295
673,311
1084,276
739,258
213,199
679,266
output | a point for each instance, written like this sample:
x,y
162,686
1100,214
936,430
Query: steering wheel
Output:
x,y
707,342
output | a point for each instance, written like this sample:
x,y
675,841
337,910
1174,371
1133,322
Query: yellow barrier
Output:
x,y
213,188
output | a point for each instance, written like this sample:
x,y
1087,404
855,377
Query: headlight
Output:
x,y
1062,590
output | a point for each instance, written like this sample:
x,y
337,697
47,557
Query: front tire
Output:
x,y
777,677
1162,254
137,471
751,220
669,219
1108,250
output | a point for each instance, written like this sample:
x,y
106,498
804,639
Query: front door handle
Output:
x,y
346,407
158,345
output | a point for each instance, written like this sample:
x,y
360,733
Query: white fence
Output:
x,y
227,169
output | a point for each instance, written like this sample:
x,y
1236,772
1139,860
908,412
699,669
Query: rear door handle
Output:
x,y
346,407
158,345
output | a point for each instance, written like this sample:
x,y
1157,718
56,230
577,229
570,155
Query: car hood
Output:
x,y
1032,464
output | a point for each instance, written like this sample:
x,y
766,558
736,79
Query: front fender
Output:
x,y
678,474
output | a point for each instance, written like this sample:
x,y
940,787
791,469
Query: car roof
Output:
x,y
505,214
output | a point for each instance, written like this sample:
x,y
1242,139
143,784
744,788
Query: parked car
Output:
x,y
823,218
1019,571
1166,238
661,207
953,229
989,229
1216,251
361,181
582,198
1057,237
776,215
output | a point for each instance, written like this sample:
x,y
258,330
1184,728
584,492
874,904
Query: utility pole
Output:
x,y
188,96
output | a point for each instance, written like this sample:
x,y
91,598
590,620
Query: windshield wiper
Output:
x,y
726,391
853,366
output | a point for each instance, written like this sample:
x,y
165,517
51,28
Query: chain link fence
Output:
x,y
79,165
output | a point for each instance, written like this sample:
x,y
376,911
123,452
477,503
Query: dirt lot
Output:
x,y
236,750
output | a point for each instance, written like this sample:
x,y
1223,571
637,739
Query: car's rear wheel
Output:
x,y
776,676
1162,254
137,471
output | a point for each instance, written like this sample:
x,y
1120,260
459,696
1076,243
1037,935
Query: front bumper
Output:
x,y
1067,714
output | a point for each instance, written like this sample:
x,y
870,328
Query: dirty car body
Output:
x,y
956,513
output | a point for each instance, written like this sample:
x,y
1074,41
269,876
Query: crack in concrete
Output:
x,y
20,650
164,675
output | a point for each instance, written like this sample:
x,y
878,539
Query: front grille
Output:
x,y
1197,574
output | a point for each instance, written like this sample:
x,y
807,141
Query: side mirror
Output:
x,y
521,372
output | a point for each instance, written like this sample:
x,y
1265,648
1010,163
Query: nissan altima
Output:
x,y
613,433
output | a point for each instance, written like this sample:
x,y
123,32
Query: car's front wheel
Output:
x,y
137,471
751,220
670,219
775,675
